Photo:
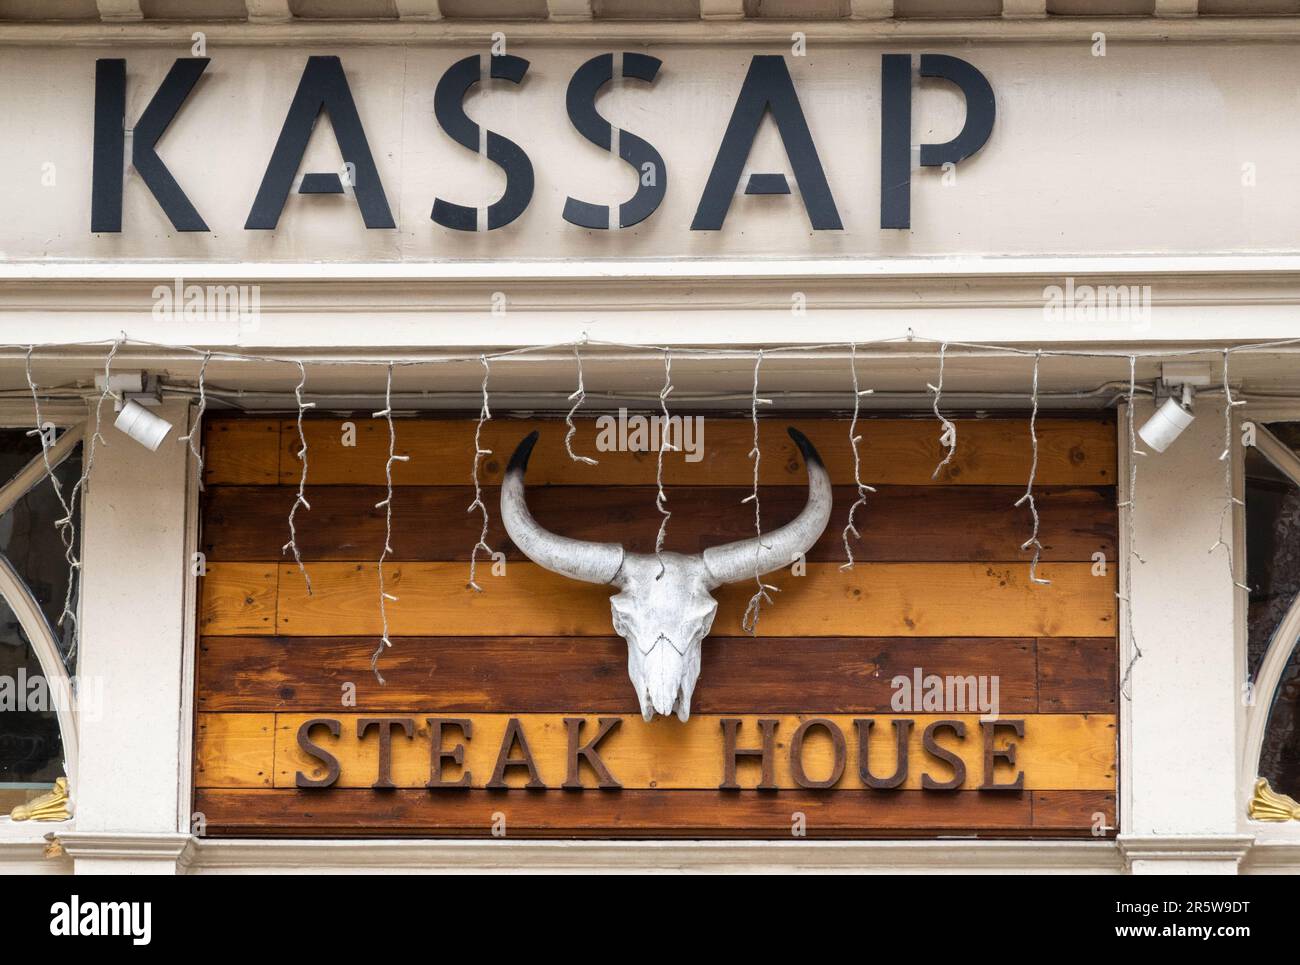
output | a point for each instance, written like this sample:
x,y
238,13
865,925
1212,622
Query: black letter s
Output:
x,y
581,103
448,107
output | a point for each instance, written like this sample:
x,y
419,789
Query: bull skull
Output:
x,y
664,613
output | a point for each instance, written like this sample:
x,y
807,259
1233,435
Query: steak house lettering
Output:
x,y
768,88
943,769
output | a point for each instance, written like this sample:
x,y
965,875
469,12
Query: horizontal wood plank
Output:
x,y
873,599
234,750
1073,810
909,524
238,598
539,674
241,451
1077,675
710,814
1071,452
1058,751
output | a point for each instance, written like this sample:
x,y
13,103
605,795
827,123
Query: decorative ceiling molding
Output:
x,y
114,10
1176,8
871,9
722,9
268,11
563,10
269,26
419,9
1014,9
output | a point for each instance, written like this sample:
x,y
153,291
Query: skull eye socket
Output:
x,y
702,612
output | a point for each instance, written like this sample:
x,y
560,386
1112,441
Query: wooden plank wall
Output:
x,y
941,584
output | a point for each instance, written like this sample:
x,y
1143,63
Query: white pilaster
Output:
x,y
133,615
1178,732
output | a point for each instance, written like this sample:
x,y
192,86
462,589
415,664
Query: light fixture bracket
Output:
x,y
1174,375
141,387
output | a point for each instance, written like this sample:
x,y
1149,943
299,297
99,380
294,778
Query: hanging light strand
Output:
x,y
484,414
749,623
826,349
661,497
578,396
68,524
46,437
1130,533
850,528
948,431
67,534
1225,457
301,499
194,435
387,505
1028,497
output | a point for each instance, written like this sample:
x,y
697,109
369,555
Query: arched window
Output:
x,y
1272,513
38,726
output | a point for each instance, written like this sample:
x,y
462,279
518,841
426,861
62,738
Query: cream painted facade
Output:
x,y
1168,162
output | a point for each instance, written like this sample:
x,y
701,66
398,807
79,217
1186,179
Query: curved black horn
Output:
x,y
753,557
575,558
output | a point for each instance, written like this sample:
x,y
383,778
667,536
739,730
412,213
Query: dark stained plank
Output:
x,y
1076,451
744,814
570,674
1077,674
898,523
1075,810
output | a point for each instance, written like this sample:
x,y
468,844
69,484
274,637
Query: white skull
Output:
x,y
664,614
665,607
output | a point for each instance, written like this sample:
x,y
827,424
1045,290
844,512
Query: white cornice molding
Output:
x,y
129,845
1273,857
200,856
71,310
621,271
709,32
1211,849
1096,857
123,292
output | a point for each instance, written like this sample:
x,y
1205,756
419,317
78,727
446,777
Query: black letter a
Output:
x,y
323,87
767,87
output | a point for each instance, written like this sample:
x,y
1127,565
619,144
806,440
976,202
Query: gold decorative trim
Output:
x,y
50,806
1268,805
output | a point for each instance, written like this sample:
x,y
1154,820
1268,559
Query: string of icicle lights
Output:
x,y
854,393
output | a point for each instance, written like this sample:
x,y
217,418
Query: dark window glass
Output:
x,y
1279,758
31,542
17,449
1272,552
31,750
31,746
1273,573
